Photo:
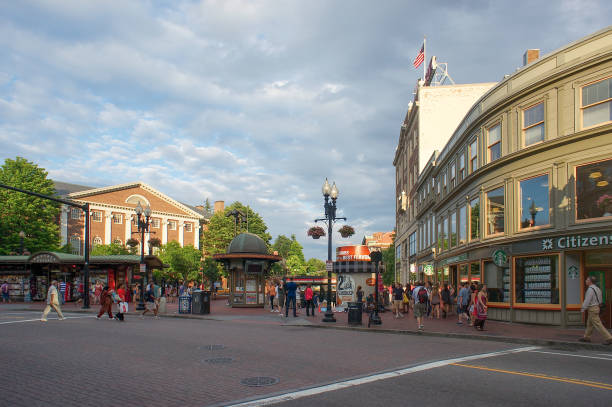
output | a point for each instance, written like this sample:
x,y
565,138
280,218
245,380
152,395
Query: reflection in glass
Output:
x,y
533,124
475,273
494,146
594,190
534,202
463,273
462,224
495,211
536,280
453,229
597,103
474,219
498,282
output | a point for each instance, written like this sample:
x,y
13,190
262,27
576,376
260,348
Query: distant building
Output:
x,y
378,240
113,219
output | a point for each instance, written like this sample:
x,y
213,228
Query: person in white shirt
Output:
x,y
52,302
592,300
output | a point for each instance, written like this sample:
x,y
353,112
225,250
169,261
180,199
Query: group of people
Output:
x,y
438,301
286,295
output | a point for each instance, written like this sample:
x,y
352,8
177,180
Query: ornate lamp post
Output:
x,y
330,218
376,257
143,226
533,211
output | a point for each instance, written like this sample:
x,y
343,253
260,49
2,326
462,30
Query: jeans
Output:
x,y
288,304
309,306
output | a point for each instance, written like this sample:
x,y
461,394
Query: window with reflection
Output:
x,y
534,202
498,282
495,211
445,233
475,273
464,273
461,166
594,190
494,143
462,224
453,229
453,172
440,237
475,219
474,156
596,103
533,124
536,280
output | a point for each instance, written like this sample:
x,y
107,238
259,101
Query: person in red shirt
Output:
x,y
122,295
308,295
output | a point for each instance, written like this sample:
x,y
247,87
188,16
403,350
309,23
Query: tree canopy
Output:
x,y
109,249
389,263
184,262
36,217
220,231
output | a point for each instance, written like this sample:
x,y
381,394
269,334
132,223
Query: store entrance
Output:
x,y
604,282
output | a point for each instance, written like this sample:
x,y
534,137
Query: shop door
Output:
x,y
453,276
604,282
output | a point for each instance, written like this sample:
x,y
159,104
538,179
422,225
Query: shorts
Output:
x,y
151,306
420,309
5,296
397,303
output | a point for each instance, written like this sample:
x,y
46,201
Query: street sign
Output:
x,y
329,265
143,268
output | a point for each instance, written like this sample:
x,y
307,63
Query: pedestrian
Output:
x,y
98,291
445,296
150,303
592,306
308,296
106,303
398,295
481,308
419,296
62,292
472,308
360,296
52,302
271,292
406,299
290,289
463,301
435,302
280,295
136,293
428,288
122,304
453,297
5,292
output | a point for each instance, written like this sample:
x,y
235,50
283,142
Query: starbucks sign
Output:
x,y
428,269
500,258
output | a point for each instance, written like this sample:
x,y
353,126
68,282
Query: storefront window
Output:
x,y
497,280
445,234
462,224
475,273
475,219
495,211
453,229
594,190
440,237
534,202
463,273
536,280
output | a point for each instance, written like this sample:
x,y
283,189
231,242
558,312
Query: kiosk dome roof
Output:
x,y
247,243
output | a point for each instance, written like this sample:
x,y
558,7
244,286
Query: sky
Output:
x,y
255,101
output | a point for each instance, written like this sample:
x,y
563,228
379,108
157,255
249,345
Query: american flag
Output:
x,y
419,58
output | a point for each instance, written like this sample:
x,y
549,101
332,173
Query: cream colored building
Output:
x,y
521,194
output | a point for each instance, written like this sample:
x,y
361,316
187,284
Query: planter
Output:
x,y
346,231
316,237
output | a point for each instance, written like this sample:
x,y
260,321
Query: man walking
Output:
x,y
308,296
52,302
419,295
398,296
150,304
463,301
592,301
290,289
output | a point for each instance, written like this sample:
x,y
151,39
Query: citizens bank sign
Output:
x,y
576,241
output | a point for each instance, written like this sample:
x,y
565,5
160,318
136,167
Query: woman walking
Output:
x,y
481,308
97,292
105,303
406,299
435,302
445,296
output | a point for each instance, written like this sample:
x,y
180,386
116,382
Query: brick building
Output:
x,y
379,240
113,219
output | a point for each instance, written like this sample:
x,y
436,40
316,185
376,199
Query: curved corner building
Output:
x,y
520,196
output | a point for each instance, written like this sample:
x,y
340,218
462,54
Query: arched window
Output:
x,y
118,241
134,199
97,240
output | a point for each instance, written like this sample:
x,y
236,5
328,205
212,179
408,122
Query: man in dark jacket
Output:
x,y
290,289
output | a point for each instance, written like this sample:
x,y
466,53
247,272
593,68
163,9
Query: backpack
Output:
x,y
422,295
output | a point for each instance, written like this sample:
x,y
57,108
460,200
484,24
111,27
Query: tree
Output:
x,y
109,249
207,207
183,261
36,217
212,270
389,262
315,267
282,245
220,230
296,249
295,266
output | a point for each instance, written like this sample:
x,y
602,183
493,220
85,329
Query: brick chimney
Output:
x,y
530,55
219,206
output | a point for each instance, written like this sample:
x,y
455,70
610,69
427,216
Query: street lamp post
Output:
x,y
376,257
330,218
533,211
21,236
143,226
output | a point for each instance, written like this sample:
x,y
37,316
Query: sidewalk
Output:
x,y
541,335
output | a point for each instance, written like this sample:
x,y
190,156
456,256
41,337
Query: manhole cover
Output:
x,y
219,361
214,347
259,381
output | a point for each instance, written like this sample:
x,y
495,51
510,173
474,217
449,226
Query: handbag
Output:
x,y
602,305
405,298
123,307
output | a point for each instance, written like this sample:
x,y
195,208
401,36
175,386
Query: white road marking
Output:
x,y
576,356
38,319
373,378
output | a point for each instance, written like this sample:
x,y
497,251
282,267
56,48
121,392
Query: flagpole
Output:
x,y
424,58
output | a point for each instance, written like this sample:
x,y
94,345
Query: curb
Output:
x,y
550,343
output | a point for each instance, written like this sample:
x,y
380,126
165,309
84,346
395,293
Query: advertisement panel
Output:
x,y
353,253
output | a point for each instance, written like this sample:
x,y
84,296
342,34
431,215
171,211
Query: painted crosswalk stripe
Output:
x,y
38,319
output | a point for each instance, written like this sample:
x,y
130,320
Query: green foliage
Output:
x,y
389,262
212,270
36,217
315,267
109,249
220,232
282,245
295,266
183,261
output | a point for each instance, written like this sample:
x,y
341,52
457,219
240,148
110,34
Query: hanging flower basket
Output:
x,y
346,231
132,242
316,232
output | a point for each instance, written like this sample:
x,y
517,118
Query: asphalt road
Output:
x,y
83,361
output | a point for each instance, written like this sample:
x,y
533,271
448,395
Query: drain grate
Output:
x,y
259,381
214,347
219,361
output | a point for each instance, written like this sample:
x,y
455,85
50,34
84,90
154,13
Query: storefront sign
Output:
x,y
353,253
576,241
455,259
572,272
371,282
44,258
500,258
428,269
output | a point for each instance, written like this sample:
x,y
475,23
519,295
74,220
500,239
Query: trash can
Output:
x,y
196,302
354,313
184,304
206,298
